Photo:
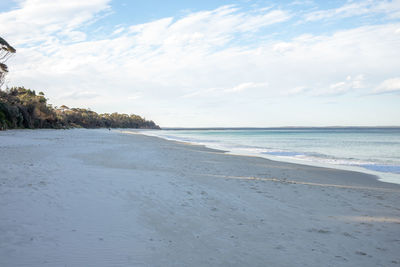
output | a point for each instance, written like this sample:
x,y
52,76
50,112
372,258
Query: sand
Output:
x,y
107,198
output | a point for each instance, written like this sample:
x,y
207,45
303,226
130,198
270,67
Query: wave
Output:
x,y
382,168
321,158
312,158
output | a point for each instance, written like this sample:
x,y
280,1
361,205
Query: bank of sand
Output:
x,y
106,198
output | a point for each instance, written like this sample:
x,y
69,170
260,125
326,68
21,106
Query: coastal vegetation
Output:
x,y
23,108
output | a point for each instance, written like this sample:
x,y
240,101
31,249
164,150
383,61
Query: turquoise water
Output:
x,y
374,150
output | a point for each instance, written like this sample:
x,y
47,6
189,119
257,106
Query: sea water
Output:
x,y
371,150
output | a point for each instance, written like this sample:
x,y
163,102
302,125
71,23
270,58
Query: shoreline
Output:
x,y
371,175
385,177
99,198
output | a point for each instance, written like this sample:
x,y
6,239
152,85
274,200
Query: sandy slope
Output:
x,y
100,198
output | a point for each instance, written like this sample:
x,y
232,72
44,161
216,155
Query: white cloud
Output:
x,y
118,30
206,28
36,20
245,86
152,33
297,90
80,95
348,85
302,2
219,91
134,96
253,23
342,87
347,10
283,47
388,86
351,9
74,36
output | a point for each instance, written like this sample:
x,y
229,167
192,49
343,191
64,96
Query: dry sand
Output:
x,y
100,198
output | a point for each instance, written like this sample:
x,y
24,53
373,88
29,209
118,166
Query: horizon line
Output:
x,y
280,127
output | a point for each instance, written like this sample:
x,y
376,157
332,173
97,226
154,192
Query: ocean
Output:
x,y
371,150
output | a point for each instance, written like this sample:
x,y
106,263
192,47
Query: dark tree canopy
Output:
x,y
23,108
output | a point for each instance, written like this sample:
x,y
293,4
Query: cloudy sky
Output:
x,y
212,63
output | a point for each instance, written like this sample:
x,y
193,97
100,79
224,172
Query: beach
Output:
x,y
110,198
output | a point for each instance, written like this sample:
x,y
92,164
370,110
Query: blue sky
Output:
x,y
212,63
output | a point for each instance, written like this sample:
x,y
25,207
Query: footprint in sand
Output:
x,y
320,231
361,253
348,235
340,257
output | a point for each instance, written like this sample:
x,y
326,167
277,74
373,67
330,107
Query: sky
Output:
x,y
212,63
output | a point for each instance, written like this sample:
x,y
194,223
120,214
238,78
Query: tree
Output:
x,y
6,51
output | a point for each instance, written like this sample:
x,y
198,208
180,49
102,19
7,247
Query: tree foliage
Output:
x,y
6,51
23,108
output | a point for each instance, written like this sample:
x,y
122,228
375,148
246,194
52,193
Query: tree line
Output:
x,y
22,108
